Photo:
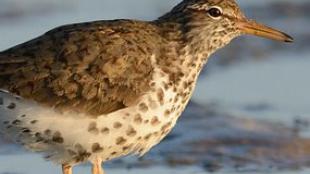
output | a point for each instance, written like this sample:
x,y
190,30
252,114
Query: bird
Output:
x,y
97,91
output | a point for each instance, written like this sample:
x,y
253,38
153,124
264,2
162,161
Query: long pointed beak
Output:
x,y
256,29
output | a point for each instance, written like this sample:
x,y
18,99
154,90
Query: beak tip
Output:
x,y
289,39
254,28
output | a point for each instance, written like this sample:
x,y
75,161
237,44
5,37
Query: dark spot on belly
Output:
x,y
166,127
147,137
131,132
143,107
155,121
141,150
82,156
167,113
47,132
120,141
71,152
96,148
16,122
92,128
25,130
138,119
57,138
161,96
117,125
38,134
11,106
126,148
39,137
105,131
34,121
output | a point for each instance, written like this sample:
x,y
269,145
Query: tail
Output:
x,y
8,64
41,129
13,123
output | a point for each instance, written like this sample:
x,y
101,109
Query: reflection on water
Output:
x,y
252,79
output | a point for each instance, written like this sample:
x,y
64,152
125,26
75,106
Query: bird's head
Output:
x,y
214,23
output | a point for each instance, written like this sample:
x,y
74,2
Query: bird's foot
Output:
x,y
97,166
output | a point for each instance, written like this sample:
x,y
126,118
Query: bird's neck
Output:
x,y
184,53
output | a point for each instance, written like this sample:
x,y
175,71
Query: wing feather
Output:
x,y
94,68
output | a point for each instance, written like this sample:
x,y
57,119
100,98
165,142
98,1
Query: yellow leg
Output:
x,y
96,166
66,169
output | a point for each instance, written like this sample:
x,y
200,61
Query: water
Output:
x,y
254,90
281,83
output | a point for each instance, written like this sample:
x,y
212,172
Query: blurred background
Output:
x,y
251,109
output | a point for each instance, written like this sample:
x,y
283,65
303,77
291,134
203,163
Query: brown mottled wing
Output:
x,y
94,68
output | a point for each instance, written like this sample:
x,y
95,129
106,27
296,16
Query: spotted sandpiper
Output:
x,y
100,90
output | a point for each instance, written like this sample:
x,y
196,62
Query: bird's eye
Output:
x,y
215,12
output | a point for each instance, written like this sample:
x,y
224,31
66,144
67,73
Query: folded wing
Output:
x,y
93,68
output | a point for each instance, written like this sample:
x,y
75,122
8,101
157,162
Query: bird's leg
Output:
x,y
97,168
66,169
